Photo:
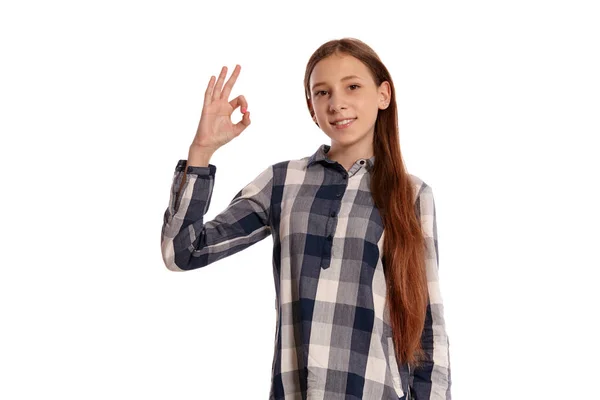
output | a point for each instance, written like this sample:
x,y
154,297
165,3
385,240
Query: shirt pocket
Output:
x,y
394,367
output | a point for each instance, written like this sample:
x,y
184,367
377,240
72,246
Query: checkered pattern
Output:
x,y
333,338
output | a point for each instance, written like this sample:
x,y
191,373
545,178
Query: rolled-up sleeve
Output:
x,y
189,242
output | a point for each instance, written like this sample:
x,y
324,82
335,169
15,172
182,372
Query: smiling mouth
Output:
x,y
349,122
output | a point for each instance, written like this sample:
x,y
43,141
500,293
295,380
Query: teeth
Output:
x,y
344,122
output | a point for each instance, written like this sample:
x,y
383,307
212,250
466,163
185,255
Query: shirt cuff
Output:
x,y
211,169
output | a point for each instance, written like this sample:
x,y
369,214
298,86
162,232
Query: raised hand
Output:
x,y
216,128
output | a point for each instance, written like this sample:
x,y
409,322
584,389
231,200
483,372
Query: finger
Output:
x,y
217,90
208,93
239,101
243,124
231,82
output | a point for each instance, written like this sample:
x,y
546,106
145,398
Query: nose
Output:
x,y
336,103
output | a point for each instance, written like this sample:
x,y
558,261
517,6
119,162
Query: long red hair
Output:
x,y
393,195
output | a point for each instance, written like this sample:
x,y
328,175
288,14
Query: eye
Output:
x,y
320,91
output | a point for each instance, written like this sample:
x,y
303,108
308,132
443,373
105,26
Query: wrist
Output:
x,y
199,156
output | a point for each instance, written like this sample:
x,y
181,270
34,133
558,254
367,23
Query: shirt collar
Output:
x,y
321,155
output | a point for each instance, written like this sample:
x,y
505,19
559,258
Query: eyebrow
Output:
x,y
343,79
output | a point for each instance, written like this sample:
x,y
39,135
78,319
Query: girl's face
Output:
x,y
341,87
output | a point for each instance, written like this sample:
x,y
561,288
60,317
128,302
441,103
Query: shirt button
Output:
x,y
338,195
344,177
333,213
362,162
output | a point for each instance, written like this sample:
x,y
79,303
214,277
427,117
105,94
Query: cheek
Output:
x,y
363,104
321,113
366,108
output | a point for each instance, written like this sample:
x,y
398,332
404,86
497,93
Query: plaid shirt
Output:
x,y
333,338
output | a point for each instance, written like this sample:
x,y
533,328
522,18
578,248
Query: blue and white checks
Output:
x,y
333,338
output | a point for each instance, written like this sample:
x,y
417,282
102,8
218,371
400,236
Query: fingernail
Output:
x,y
244,110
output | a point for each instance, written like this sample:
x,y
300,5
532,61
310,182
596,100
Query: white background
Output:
x,y
498,110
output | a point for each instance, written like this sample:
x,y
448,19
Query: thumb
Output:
x,y
243,124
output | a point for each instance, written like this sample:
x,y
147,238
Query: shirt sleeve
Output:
x,y
432,380
188,242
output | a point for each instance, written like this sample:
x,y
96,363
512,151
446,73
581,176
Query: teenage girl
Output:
x,y
355,252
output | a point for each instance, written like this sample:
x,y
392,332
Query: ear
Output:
x,y
385,94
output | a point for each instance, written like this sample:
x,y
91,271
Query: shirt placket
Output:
x,y
339,186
